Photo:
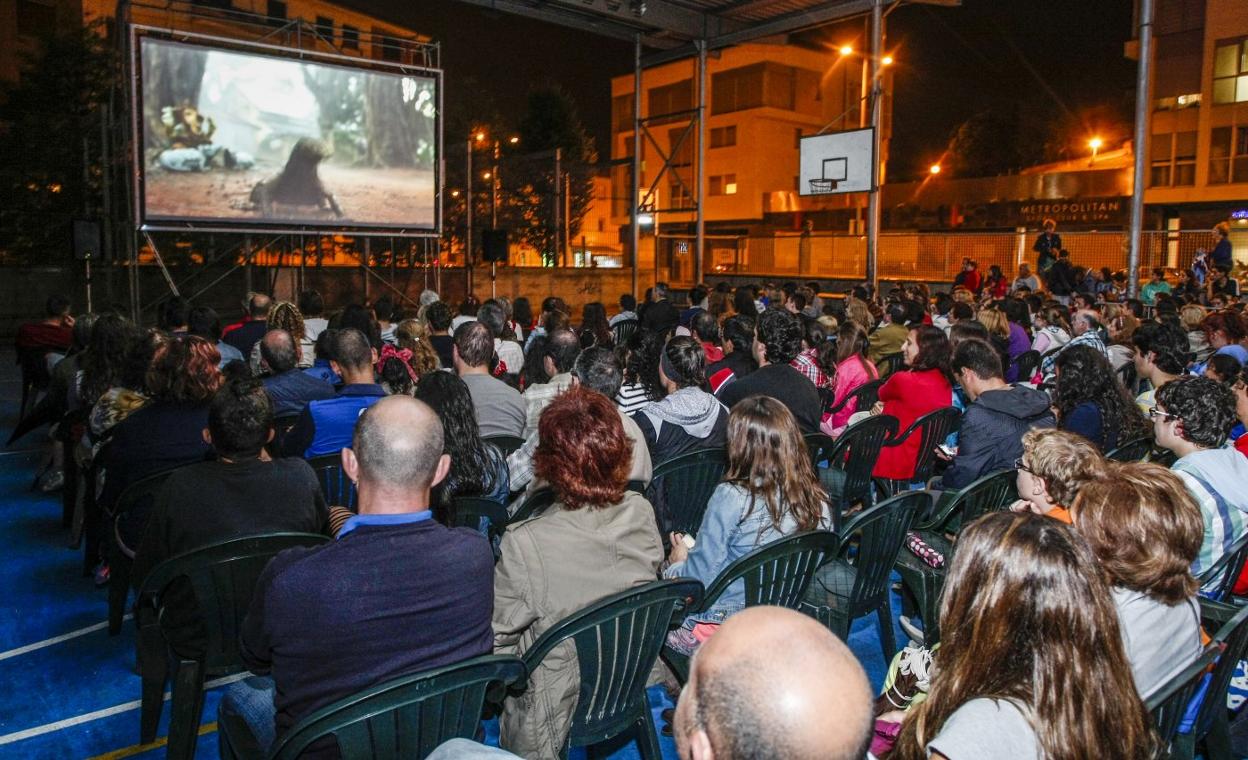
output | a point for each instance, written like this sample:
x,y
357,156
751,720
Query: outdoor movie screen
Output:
x,y
240,138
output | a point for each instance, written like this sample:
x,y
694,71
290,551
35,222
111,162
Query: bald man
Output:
x,y
289,388
396,593
774,683
243,335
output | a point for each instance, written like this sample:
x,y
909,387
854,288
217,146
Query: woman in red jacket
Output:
x,y
923,387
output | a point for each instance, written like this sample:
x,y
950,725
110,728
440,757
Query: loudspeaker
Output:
x,y
494,245
87,240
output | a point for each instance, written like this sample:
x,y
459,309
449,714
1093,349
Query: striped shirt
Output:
x,y
631,398
1216,478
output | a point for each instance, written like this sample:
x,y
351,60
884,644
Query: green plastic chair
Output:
x,y
139,495
682,487
1163,457
852,454
1212,727
989,493
536,503
1217,582
777,574
617,641
1132,451
336,487
623,331
223,577
844,591
407,717
867,395
932,428
891,363
505,443
1168,702
469,511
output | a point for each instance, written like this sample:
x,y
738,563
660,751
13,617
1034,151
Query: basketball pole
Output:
x,y
873,199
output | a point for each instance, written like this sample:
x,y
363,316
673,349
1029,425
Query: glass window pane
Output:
x,y
1241,89
1224,61
1184,175
1160,148
1159,176
1219,172
1239,172
1220,142
1185,145
1223,91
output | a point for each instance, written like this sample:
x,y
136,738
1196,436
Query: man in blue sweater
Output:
x,y
325,426
397,593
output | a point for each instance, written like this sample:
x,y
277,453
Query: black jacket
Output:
x,y
991,436
660,316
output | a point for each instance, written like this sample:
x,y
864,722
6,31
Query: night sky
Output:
x,y
952,62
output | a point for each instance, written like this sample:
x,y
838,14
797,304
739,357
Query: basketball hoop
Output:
x,y
821,186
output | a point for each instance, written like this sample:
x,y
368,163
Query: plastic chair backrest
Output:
x,y
142,493
1168,702
1132,451
223,577
987,494
624,330
777,573
866,394
617,640
1217,581
467,512
1232,637
687,482
881,531
856,450
532,506
336,487
932,428
890,364
408,716
505,443
1027,363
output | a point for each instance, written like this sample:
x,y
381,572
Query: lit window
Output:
x,y
1230,72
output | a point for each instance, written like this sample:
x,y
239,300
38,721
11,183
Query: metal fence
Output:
x,y
931,256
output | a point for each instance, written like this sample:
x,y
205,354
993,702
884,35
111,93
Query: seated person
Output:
x,y
1161,354
499,407
922,387
887,339
289,388
244,492
52,334
243,335
508,351
202,321
1020,577
439,317
1055,464
558,359
777,340
605,540
1193,418
1145,531
325,426
687,418
323,349
769,491
597,369
853,370
738,360
477,467
1091,400
416,592
991,435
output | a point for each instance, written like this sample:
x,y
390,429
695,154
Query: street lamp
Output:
x,y
1095,144
887,60
847,50
934,169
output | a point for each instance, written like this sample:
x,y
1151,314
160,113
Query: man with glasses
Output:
x,y
1193,417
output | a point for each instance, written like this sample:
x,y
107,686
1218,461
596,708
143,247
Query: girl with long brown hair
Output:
x,y
853,370
1031,664
770,490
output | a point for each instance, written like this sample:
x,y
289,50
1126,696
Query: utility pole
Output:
x,y
468,218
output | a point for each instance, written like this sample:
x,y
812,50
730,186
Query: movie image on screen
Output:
x,y
254,139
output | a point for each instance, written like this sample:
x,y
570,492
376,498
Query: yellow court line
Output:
x,y
138,749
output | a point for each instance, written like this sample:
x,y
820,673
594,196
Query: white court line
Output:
x,y
48,728
57,639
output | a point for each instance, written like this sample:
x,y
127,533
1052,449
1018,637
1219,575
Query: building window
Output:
x,y
671,99
325,27
350,37
276,10
35,19
723,184
737,89
622,113
1172,160
1230,72
724,137
680,197
1228,155
682,155
384,48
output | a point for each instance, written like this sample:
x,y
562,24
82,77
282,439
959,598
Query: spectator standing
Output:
x,y
1221,256
605,540
687,418
499,408
1048,244
289,389
660,315
777,340
325,426
991,435
1193,418
416,591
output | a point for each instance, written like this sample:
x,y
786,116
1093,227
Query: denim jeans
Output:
x,y
251,700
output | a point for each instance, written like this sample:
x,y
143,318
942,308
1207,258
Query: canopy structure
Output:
x,y
671,30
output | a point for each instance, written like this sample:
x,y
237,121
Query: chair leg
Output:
x,y
647,736
154,672
931,608
185,709
1183,747
118,590
888,640
1218,740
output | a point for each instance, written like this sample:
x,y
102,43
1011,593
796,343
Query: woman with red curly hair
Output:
x,y
596,539
168,431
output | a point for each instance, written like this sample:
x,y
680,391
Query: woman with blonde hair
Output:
x,y
1193,318
1145,530
413,335
1031,661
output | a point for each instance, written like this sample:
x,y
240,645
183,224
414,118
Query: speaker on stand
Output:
x,y
494,249
86,248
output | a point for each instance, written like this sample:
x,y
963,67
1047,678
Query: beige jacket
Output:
x,y
552,566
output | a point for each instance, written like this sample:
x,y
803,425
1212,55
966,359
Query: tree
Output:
x,y
50,152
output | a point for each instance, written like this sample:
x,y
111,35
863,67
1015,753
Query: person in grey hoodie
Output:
x,y
991,436
687,418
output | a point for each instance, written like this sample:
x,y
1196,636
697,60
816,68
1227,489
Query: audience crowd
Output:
x,y
1087,584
